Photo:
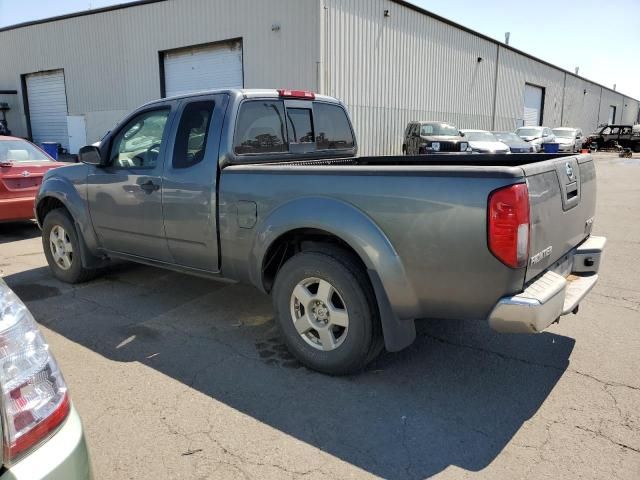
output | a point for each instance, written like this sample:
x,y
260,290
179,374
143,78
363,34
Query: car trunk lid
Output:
x,y
562,198
22,179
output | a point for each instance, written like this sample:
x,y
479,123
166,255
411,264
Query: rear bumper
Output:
x,y
16,208
552,295
62,457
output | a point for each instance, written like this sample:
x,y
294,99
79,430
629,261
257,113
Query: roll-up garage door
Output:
x,y
203,68
48,107
532,105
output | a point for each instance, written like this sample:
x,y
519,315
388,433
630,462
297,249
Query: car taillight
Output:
x,y
508,224
300,94
34,393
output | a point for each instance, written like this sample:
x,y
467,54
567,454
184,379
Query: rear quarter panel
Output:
x,y
434,217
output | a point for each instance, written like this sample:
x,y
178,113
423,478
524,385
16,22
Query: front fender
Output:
x,y
353,227
70,190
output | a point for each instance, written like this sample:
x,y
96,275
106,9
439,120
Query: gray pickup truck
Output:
x,y
264,187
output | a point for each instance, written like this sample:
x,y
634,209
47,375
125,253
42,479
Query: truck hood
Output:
x,y
489,146
532,139
442,138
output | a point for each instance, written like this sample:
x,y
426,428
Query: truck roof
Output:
x,y
244,92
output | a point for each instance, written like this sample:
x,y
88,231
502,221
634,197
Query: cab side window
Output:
x,y
191,137
138,144
333,131
260,128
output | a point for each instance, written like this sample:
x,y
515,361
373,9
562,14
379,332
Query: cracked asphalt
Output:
x,y
177,377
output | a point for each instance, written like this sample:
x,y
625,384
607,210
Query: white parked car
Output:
x,y
482,141
536,136
570,139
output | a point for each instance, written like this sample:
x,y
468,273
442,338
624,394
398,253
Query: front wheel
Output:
x,y
62,249
326,311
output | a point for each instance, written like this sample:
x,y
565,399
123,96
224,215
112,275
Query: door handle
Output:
x,y
149,186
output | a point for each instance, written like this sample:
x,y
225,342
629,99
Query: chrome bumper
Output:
x,y
552,295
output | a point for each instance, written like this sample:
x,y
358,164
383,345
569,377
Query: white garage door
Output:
x,y
48,107
532,105
203,68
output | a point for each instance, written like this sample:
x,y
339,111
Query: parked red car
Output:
x,y
22,166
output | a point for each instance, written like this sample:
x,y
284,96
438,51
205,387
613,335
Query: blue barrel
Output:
x,y
51,148
551,147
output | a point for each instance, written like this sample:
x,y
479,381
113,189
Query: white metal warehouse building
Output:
x,y
70,79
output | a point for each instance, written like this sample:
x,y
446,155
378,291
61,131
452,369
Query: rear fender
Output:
x,y
397,302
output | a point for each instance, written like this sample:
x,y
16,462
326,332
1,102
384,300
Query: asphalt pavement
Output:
x,y
178,377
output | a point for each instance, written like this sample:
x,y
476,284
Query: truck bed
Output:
x,y
444,159
432,209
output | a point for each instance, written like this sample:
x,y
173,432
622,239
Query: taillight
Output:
x,y
508,224
34,394
300,94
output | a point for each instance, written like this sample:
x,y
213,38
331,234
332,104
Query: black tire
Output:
x,y
363,338
76,273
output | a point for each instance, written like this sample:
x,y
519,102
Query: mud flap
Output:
x,y
398,334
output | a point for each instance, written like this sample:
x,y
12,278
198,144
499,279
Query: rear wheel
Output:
x,y
326,311
62,249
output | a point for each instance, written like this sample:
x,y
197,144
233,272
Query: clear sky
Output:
x,y
602,38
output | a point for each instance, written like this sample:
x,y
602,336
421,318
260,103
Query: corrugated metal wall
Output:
x,y
607,100
388,70
514,71
391,70
581,104
111,63
410,66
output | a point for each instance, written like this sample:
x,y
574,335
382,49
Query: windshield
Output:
x,y
439,129
564,133
507,137
529,132
480,136
16,151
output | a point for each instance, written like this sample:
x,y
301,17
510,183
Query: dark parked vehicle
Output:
x,y
264,187
626,136
514,142
432,137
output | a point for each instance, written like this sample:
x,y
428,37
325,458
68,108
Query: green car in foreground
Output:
x,y
42,435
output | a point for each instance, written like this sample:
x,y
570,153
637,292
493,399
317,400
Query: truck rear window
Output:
x,y
263,127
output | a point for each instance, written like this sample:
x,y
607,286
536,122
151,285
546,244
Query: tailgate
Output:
x,y
562,196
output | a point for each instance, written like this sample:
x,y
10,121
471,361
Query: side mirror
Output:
x,y
90,155
461,134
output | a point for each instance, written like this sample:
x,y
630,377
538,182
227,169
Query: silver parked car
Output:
x,y
482,141
536,136
570,139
